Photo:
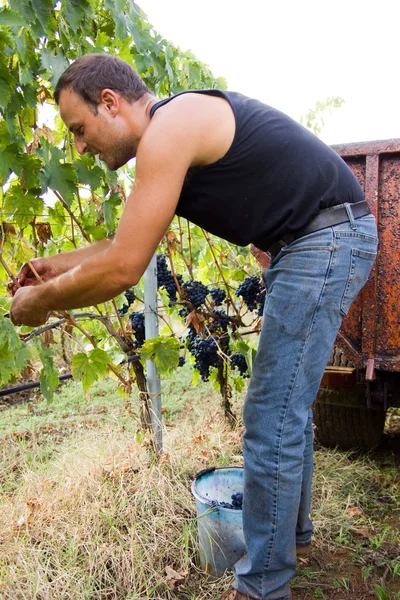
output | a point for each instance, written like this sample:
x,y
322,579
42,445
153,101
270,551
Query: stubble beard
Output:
x,y
119,155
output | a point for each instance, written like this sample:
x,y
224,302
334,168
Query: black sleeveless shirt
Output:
x,y
274,179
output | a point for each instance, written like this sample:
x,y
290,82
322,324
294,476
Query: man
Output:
x,y
250,174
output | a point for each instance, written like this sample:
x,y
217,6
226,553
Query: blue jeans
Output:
x,y
310,286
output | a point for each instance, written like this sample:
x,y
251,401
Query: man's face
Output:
x,y
105,133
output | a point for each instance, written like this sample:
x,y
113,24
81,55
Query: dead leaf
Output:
x,y
23,435
44,232
198,439
7,228
42,132
173,578
262,257
204,457
364,532
33,503
196,319
172,241
354,511
164,458
48,338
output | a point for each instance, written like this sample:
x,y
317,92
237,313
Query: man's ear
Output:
x,y
110,100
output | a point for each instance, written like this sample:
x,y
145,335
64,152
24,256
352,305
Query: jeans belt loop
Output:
x,y
350,215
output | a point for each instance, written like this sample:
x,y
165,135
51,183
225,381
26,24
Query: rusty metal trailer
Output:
x,y
362,379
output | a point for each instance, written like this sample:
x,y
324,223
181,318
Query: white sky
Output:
x,y
291,54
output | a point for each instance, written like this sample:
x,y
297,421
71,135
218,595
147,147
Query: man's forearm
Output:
x,y
68,260
96,280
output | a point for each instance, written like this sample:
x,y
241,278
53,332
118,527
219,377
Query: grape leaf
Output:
x,y
14,353
87,174
62,178
55,64
10,18
88,367
43,11
24,206
5,93
75,10
110,207
24,250
164,352
48,375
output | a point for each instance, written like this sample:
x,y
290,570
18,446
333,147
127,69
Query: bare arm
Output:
x,y
52,266
161,166
185,134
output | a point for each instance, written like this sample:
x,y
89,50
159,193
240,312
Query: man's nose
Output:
x,y
81,146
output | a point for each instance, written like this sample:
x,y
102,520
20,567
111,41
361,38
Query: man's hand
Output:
x,y
52,266
25,310
44,267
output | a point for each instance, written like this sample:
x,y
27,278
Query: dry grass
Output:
x,y
87,514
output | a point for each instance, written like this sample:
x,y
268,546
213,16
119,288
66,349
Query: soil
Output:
x,y
337,574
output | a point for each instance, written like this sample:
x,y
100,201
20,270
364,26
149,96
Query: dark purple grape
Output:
x,y
196,292
250,290
218,295
238,361
137,320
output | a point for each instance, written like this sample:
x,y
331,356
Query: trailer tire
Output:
x,y
348,427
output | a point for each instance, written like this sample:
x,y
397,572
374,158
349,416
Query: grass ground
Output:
x,y
87,514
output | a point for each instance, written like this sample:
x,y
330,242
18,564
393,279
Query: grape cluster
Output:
x,y
165,278
137,320
130,297
261,302
252,292
238,361
218,295
181,361
220,321
183,313
196,292
237,502
205,351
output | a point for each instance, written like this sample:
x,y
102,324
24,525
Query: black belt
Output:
x,y
326,218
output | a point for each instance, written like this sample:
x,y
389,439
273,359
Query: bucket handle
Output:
x,y
204,472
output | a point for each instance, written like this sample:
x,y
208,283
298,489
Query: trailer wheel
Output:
x,y
347,427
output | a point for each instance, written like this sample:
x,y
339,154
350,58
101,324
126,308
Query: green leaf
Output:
x,y
110,208
5,93
23,206
195,378
55,64
43,11
4,135
238,383
14,353
24,251
24,8
61,178
75,11
88,367
48,375
164,352
87,174
10,18
4,168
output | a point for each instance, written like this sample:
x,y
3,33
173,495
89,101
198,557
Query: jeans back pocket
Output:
x,y
361,264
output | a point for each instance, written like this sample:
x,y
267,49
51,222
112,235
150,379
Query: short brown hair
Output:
x,y
92,73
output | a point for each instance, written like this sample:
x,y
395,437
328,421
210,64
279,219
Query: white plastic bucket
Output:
x,y
220,529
